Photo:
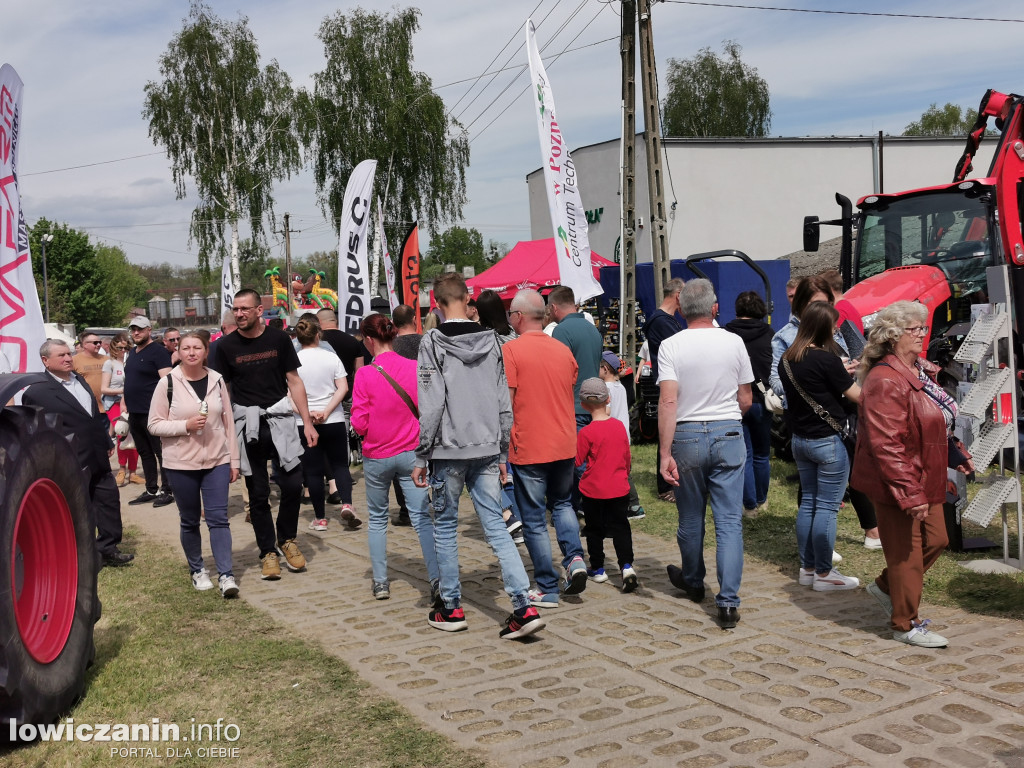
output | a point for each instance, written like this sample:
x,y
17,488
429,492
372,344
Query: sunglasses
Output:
x,y
97,343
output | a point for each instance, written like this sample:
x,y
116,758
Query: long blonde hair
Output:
x,y
888,327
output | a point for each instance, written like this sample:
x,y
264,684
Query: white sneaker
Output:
x,y
201,580
920,636
870,543
228,587
836,558
806,577
834,580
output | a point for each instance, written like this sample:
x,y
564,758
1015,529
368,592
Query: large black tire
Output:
x,y
48,568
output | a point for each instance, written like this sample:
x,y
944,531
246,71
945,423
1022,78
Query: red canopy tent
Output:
x,y
531,264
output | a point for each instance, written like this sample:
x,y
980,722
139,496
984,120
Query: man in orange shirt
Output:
x,y
89,364
541,374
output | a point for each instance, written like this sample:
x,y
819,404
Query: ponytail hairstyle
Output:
x,y
306,330
379,328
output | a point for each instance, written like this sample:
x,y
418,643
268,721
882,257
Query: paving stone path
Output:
x,y
805,679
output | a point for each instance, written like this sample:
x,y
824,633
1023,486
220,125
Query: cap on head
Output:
x,y
593,390
140,322
612,359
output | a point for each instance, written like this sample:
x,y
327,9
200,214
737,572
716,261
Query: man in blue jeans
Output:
x,y
541,375
704,374
465,420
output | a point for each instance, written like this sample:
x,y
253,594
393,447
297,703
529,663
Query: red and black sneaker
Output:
x,y
521,623
447,619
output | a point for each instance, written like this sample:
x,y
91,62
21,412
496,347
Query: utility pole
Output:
x,y
627,221
652,144
287,232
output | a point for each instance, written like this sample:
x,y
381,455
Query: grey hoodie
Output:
x,y
465,407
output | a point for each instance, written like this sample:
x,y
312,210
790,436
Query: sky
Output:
x,y
85,66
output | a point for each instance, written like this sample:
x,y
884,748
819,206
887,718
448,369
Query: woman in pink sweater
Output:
x,y
191,413
384,412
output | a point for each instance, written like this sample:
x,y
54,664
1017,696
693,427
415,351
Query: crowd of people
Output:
x,y
525,410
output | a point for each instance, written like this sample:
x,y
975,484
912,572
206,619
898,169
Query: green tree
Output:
x,y
227,124
950,120
457,245
368,103
87,285
711,95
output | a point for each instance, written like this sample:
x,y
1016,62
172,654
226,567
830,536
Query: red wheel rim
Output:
x,y
44,571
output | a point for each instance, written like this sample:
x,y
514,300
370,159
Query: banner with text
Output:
x,y
411,273
354,289
389,265
21,321
228,287
568,217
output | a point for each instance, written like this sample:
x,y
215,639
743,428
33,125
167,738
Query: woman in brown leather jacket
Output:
x,y
900,463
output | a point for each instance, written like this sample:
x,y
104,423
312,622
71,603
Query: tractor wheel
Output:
x,y
48,567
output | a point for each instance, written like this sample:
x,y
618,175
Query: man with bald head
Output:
x,y
541,374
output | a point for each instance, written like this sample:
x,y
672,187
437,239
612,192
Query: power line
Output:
x,y
553,62
90,165
841,13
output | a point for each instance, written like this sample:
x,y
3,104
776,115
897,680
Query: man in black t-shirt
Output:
x,y
261,369
143,368
352,352
659,326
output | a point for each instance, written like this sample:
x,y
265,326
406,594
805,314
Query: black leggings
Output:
x,y
332,445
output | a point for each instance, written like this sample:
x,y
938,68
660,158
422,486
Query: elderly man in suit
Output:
x,y
66,393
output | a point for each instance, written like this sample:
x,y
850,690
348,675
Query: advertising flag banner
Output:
x,y
354,288
411,272
21,321
389,266
568,217
228,287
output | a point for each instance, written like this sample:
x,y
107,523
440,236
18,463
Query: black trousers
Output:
x,y
106,508
606,519
260,452
150,453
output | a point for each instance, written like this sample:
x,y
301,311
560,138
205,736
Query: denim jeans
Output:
x,y
537,487
824,467
377,475
449,477
757,436
198,491
508,496
582,419
710,456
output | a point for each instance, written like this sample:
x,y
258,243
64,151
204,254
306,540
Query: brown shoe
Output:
x,y
133,478
271,567
293,558
120,478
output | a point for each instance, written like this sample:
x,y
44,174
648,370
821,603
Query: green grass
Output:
x,y
770,539
163,650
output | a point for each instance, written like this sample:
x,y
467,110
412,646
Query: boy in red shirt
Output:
x,y
604,446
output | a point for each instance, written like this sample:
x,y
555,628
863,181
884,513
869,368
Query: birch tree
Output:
x,y
227,125
369,103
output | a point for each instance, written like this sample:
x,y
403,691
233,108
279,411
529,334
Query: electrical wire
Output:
x,y
841,13
89,165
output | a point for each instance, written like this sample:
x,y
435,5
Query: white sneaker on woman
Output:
x,y
834,580
201,580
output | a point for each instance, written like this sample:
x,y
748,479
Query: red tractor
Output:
x,y
48,566
933,245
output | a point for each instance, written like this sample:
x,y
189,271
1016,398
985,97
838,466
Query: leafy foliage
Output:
x,y
227,124
88,285
368,103
711,95
457,245
950,120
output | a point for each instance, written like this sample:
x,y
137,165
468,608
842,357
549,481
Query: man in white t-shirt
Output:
x,y
704,374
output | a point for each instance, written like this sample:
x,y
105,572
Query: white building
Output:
x,y
749,194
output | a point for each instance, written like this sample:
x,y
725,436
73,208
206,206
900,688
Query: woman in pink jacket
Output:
x,y
384,412
191,413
